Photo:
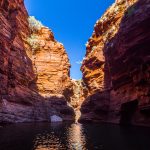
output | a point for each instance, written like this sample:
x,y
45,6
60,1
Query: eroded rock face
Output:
x,y
117,63
50,61
79,93
26,79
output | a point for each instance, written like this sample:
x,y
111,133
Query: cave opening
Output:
x,y
127,111
145,110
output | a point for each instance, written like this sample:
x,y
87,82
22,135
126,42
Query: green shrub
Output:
x,y
34,24
93,48
33,42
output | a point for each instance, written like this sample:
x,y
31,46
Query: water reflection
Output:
x,y
51,140
76,138
54,140
45,136
47,141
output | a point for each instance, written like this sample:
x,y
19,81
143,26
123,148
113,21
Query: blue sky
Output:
x,y
72,22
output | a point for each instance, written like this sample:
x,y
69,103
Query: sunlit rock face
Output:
x,y
116,66
79,93
94,64
32,82
50,61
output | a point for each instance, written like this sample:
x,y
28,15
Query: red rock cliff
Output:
x,y
116,66
32,79
50,61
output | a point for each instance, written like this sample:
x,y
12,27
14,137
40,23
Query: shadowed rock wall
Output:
x,y
31,82
116,66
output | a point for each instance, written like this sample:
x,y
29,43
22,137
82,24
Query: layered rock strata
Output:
x,y
116,66
50,61
32,81
79,93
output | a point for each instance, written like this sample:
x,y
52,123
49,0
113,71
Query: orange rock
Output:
x,y
34,69
116,66
50,62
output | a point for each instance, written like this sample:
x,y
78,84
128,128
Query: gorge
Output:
x,y
35,81
34,69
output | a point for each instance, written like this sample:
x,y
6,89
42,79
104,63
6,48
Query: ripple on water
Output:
x,y
73,138
61,136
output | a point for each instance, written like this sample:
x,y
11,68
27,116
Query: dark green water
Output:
x,y
46,136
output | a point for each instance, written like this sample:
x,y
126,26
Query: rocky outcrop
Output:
x,y
79,93
116,66
50,61
33,77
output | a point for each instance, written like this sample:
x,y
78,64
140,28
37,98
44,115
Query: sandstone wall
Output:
x,y
28,79
50,61
79,92
77,96
116,66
